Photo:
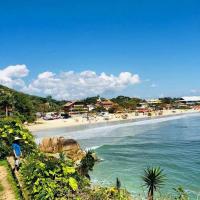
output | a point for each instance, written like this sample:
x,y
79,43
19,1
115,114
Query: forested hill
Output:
x,y
25,106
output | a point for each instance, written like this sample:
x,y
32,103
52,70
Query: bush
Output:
x,y
4,150
51,178
105,193
11,128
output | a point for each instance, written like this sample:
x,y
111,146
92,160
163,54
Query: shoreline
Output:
x,y
78,121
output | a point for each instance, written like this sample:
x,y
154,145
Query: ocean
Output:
x,y
127,148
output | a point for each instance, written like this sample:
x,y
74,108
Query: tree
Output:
x,y
153,179
24,106
6,100
100,109
127,102
91,100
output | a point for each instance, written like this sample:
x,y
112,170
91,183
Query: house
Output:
x,y
143,105
107,104
155,104
154,101
75,107
191,100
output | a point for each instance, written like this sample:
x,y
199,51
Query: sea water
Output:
x,y
173,143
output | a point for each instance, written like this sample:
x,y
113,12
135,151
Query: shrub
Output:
x,y
4,150
106,193
11,128
51,178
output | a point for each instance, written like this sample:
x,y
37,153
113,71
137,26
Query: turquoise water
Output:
x,y
126,149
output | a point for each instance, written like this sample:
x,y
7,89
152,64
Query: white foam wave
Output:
x,y
105,131
92,148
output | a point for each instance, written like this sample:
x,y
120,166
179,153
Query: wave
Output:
x,y
93,148
104,130
80,134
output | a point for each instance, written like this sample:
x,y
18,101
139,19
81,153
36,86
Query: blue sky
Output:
x,y
158,40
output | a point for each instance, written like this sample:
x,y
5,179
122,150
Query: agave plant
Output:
x,y
153,179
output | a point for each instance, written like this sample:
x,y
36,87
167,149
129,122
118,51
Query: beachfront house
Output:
x,y
154,104
75,107
107,104
190,100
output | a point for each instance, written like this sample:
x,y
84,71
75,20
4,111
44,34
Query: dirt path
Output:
x,y
7,193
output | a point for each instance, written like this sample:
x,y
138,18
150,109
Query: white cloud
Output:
x,y
67,85
45,75
12,75
71,85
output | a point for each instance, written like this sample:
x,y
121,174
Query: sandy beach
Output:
x,y
80,120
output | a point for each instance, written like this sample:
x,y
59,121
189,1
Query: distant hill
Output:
x,y
24,105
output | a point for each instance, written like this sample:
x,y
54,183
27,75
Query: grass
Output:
x,y
10,179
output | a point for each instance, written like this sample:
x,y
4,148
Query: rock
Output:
x,y
69,147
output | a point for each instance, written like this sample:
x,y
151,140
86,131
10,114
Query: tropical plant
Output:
x,y
181,193
87,164
9,129
51,178
106,193
153,179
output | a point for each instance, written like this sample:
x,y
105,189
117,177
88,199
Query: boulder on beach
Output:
x,y
69,147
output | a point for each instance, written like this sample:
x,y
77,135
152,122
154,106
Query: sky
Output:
x,y
75,49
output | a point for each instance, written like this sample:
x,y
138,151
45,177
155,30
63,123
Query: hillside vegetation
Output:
x,y
25,106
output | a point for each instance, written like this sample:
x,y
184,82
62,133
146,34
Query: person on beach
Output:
x,y
17,152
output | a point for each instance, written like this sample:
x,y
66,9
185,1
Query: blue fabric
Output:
x,y
17,149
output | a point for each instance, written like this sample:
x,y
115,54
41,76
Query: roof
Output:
x,y
191,98
106,102
69,104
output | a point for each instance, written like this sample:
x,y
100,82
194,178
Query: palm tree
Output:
x,y
153,179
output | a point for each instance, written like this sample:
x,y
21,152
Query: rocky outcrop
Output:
x,y
69,147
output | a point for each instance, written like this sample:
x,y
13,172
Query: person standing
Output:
x,y
17,152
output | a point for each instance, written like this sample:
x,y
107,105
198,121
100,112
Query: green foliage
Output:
x,y
91,100
181,194
127,102
25,106
153,179
50,178
99,109
4,149
106,193
9,129
6,100
87,164
1,188
118,184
